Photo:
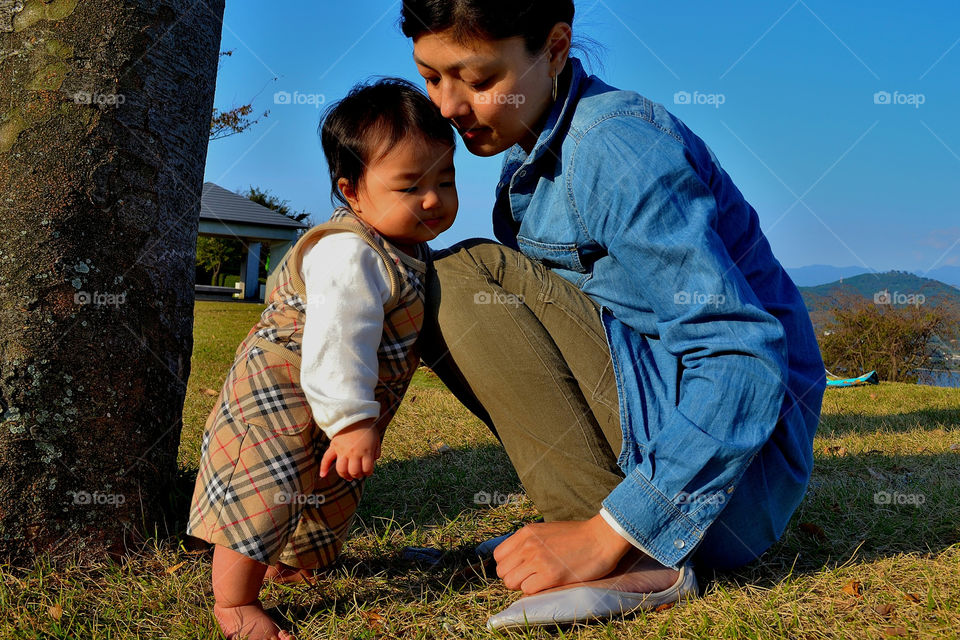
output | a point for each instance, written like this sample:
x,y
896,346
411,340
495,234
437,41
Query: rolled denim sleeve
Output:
x,y
657,218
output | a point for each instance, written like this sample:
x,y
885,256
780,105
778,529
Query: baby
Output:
x,y
301,416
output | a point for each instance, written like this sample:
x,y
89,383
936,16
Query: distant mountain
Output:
x,y
817,274
898,288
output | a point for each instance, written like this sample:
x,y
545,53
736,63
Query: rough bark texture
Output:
x,y
104,117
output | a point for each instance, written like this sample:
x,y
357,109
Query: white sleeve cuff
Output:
x,y
620,530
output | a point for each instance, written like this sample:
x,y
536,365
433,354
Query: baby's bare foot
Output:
x,y
248,622
285,574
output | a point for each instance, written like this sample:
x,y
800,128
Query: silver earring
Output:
x,y
556,81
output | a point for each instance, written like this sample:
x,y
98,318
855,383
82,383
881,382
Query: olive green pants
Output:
x,y
525,351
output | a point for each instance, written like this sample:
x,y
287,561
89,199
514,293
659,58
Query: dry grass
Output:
x,y
899,563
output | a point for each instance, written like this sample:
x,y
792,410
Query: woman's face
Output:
x,y
494,92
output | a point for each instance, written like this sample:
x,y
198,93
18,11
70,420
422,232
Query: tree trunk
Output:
x,y
104,117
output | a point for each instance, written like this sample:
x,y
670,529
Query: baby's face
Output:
x,y
410,194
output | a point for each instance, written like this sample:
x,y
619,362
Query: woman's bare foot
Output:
x,y
635,573
285,574
248,622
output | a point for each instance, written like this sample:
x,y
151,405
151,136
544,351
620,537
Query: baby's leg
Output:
x,y
236,588
285,574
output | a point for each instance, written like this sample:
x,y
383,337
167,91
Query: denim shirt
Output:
x,y
711,344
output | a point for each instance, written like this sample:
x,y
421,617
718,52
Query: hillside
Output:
x,y
895,287
818,274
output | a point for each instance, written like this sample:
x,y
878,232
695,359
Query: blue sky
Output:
x,y
836,177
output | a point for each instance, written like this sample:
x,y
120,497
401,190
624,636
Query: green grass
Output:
x,y
891,437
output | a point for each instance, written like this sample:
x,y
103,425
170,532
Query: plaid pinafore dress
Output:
x,y
258,489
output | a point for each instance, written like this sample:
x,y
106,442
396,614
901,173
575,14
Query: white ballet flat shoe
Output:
x,y
588,604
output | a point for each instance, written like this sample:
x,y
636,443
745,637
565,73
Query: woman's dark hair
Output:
x,y
375,117
489,19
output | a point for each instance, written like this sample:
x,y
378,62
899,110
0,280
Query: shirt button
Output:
x,y
679,544
522,173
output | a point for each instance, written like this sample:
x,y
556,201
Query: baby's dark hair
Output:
x,y
372,119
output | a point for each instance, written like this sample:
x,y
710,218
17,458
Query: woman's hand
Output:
x,y
355,449
551,554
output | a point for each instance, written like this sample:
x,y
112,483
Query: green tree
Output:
x,y
213,253
894,341
270,201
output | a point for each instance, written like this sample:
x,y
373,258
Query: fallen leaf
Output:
x,y
884,609
895,632
831,450
374,618
412,399
955,447
665,606
174,568
911,597
441,447
813,530
210,392
853,588
849,603
55,611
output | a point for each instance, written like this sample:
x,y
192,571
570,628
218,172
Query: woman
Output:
x,y
646,362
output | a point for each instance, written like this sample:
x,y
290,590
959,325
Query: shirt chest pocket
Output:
x,y
556,255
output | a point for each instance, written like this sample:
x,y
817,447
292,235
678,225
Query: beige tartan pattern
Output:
x,y
258,489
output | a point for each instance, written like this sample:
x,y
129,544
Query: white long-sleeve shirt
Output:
x,y
347,285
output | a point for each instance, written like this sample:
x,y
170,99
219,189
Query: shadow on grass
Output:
x,y
428,491
862,506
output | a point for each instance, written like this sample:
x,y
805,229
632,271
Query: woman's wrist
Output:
x,y
608,538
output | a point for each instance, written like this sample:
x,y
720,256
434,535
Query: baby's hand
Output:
x,y
355,449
